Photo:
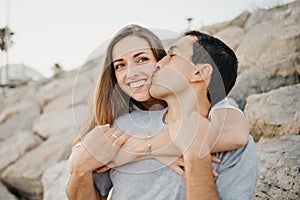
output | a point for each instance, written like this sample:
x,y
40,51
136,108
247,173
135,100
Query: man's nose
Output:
x,y
157,65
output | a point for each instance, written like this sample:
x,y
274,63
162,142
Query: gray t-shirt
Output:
x,y
149,179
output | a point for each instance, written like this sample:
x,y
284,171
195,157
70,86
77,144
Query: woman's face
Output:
x,y
134,65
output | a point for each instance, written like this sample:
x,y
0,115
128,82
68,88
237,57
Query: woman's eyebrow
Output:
x,y
118,60
136,55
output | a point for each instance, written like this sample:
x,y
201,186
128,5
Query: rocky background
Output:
x,y
39,121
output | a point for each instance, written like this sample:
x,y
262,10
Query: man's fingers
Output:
x,y
215,159
178,170
215,174
103,169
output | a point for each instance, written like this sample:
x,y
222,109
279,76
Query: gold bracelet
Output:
x,y
149,149
148,144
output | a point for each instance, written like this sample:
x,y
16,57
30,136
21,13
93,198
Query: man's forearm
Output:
x,y
81,187
199,179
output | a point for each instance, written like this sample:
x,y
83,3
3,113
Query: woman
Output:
x,y
122,94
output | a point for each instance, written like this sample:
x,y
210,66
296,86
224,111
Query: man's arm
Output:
x,y
199,178
81,186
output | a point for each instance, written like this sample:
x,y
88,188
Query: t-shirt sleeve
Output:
x,y
224,104
238,172
102,182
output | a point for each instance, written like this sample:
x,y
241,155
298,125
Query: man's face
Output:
x,y
174,70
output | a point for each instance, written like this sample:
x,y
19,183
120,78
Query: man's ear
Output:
x,y
202,73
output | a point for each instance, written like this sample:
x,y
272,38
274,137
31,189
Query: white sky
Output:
x,y
67,31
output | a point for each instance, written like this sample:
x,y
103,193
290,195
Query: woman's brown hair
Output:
x,y
110,101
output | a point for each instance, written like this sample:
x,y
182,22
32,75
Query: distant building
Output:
x,y
18,74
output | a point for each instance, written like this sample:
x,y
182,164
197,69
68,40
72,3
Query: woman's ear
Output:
x,y
203,72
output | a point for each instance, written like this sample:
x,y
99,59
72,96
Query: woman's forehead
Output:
x,y
130,45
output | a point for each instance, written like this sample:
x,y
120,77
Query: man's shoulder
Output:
x,y
247,152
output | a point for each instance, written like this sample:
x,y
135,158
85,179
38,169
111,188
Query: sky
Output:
x,y
68,31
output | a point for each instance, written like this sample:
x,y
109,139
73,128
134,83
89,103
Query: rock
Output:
x,y
52,90
263,48
58,121
231,35
18,117
16,146
5,194
212,29
24,176
55,180
255,81
240,20
82,91
271,115
279,171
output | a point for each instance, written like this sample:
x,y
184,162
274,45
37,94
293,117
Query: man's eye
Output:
x,y
172,54
118,66
142,60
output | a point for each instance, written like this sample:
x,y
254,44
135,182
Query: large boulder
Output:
x,y
18,117
279,168
57,121
5,194
24,175
16,146
55,180
274,113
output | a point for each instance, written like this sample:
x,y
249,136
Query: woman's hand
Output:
x,y
97,149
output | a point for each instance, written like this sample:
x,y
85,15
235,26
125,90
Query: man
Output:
x,y
205,71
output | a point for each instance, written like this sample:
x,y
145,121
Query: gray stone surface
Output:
x,y
55,180
279,168
274,113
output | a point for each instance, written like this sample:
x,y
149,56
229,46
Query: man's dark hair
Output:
x,y
208,49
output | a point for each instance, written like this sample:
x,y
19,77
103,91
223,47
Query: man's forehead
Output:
x,y
184,46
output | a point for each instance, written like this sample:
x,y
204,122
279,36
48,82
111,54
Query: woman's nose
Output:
x,y
132,72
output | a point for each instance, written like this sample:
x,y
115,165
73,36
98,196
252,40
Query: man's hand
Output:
x,y
97,149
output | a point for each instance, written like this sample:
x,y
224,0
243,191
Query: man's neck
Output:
x,y
185,103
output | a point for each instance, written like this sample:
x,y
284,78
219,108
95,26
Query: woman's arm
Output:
x,y
234,130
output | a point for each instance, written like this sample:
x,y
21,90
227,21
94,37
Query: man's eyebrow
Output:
x,y
171,49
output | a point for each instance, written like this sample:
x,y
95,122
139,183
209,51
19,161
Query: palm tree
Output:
x,y
5,44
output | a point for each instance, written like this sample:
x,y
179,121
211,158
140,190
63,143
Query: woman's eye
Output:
x,y
118,66
142,60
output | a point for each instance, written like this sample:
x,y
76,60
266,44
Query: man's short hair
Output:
x,y
211,50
